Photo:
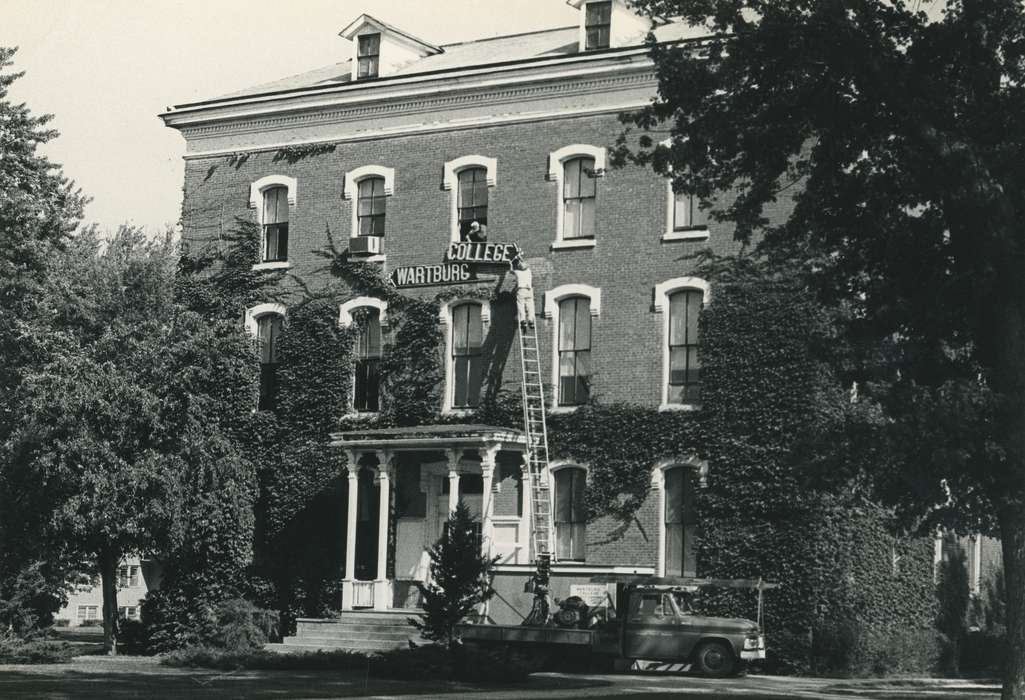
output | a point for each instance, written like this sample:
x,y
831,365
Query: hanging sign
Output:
x,y
431,275
482,253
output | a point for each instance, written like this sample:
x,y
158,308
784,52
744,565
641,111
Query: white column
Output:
x,y
526,541
488,456
350,530
454,458
382,587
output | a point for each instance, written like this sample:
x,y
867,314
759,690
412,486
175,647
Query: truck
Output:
x,y
651,619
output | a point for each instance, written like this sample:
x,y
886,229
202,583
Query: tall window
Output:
x,y
268,331
596,23
679,521
684,363
570,516
473,199
370,206
574,351
128,575
368,56
686,212
467,340
578,196
275,224
368,361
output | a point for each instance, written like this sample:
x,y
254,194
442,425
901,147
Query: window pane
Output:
x,y
674,495
571,178
275,205
583,324
268,328
473,381
587,217
588,183
674,549
571,219
567,323
460,366
693,311
681,210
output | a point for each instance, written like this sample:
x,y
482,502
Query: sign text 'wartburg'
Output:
x,y
501,253
430,275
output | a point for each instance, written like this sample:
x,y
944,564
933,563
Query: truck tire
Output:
x,y
715,659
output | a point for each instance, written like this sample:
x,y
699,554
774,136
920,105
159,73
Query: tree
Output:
x,y
39,209
460,578
128,432
877,149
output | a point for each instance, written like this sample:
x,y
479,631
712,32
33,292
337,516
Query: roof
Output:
x,y
427,436
540,45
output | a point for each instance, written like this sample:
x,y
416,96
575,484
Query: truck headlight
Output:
x,y
754,642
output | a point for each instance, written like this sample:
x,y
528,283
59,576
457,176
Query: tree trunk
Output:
x,y
108,572
1012,527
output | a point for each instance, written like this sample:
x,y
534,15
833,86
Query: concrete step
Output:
x,y
383,635
295,644
353,627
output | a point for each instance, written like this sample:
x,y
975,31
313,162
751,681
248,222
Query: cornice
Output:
x,y
421,104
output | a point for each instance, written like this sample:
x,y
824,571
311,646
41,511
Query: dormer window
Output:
x,y
368,56
597,24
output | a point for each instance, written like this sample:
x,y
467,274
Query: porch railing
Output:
x,y
362,594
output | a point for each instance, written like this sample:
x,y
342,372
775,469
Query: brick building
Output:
x,y
408,147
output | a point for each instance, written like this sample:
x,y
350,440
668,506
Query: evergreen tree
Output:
x,y
460,578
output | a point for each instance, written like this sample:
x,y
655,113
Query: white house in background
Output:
x,y
135,577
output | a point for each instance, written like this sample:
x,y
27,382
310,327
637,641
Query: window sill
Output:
x,y
462,412
563,409
381,257
687,234
679,407
568,244
278,265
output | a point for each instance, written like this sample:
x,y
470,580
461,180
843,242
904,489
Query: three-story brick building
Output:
x,y
417,146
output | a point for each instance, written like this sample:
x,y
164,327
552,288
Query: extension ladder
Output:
x,y
542,525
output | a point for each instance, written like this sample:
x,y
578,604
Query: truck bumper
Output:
x,y
752,654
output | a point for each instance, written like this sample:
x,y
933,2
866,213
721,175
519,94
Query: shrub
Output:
x,y
427,662
855,648
62,622
220,659
91,623
133,638
42,651
500,665
237,628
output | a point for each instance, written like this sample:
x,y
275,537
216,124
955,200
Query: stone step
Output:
x,y
311,644
353,628
384,635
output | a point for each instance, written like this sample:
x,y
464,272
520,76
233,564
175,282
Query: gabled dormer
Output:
x,y
379,49
609,24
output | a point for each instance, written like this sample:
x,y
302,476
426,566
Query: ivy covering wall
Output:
x,y
851,591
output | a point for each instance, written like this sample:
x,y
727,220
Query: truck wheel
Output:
x,y
715,659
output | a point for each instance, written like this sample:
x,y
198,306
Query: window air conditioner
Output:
x,y
365,245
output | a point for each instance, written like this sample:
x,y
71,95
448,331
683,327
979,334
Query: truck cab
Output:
x,y
659,624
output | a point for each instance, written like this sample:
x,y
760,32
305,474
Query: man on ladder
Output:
x,y
524,293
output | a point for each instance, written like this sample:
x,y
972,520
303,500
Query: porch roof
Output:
x,y
430,437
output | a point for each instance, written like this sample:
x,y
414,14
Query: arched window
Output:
x,y
473,199
275,224
370,207
680,519
467,356
570,514
574,348
268,332
579,190
684,361
368,360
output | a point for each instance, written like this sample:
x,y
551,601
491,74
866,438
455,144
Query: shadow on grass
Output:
x,y
63,682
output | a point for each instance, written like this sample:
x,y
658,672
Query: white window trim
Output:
x,y
345,310
661,306
671,234
556,161
551,312
445,316
658,482
450,181
558,466
351,189
256,190
345,320
255,313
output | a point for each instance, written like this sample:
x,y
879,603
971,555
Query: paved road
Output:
x,y
134,677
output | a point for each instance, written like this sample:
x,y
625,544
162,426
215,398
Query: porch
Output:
x,y
402,485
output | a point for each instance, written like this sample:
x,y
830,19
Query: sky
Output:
x,y
106,68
